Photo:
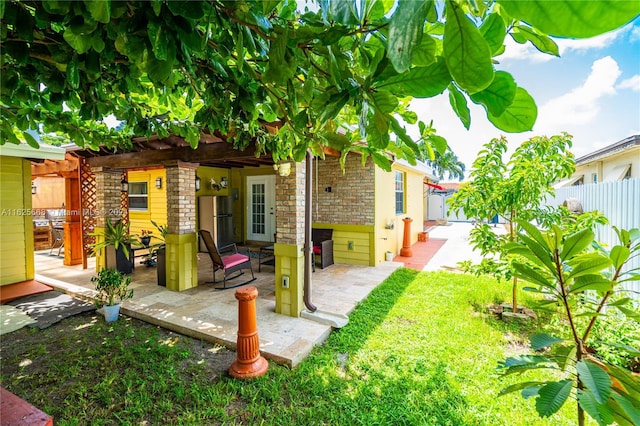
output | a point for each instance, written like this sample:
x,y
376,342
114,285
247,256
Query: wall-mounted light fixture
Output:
x,y
159,182
218,186
124,185
283,169
34,188
197,183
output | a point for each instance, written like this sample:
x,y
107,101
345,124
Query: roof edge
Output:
x,y
614,148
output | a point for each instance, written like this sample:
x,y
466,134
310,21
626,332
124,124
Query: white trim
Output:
x,y
45,152
568,182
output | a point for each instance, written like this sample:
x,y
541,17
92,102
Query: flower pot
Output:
x,y
123,263
145,241
111,312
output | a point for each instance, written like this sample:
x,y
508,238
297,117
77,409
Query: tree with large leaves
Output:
x,y
336,75
512,190
586,284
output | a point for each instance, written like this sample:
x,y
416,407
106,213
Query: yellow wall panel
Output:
x,y
16,225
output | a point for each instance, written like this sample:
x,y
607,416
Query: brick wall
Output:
x,y
290,192
181,199
108,190
351,200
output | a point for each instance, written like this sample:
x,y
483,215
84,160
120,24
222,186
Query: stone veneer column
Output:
x,y
108,188
181,240
290,196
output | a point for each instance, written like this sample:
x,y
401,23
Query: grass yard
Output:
x,y
421,350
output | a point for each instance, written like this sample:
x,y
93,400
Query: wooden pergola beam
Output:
x,y
151,157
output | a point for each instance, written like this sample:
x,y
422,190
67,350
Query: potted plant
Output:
x,y
145,237
117,236
161,255
112,287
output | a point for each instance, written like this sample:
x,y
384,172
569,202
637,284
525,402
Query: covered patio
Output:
x,y
209,314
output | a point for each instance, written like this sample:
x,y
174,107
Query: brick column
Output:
x,y
290,197
181,240
108,189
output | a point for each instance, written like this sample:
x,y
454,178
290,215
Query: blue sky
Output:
x,y
592,91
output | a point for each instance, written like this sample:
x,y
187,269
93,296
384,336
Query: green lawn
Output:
x,y
420,350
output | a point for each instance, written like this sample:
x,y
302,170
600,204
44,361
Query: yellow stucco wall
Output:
x,y
16,225
157,202
385,214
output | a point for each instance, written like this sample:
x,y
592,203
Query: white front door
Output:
x,y
261,208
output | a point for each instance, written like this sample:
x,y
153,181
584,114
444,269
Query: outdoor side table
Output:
x,y
268,259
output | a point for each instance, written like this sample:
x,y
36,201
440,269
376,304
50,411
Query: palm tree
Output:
x,y
447,163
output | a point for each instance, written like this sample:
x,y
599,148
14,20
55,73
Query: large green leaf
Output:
x,y
419,82
591,282
99,10
499,95
619,255
543,340
543,43
81,43
595,379
405,32
570,18
552,396
599,412
588,263
159,39
520,116
466,52
459,104
533,275
425,53
575,243
538,254
494,31
631,409
385,101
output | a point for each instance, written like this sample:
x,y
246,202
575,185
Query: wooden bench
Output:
x,y
16,411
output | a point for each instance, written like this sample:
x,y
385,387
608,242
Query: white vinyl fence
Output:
x,y
619,201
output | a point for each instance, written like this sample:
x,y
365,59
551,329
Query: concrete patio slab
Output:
x,y
210,314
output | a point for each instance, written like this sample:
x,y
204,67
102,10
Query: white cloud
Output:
x,y
635,34
599,42
580,106
632,83
527,52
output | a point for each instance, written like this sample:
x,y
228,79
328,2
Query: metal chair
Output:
x,y
57,238
234,262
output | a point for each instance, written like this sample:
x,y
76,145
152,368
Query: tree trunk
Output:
x,y
515,295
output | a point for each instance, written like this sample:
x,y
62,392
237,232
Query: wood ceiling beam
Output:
x,y
205,152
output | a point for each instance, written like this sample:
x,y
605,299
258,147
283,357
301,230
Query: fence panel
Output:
x,y
619,201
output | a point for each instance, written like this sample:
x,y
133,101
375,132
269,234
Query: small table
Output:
x,y
269,257
148,252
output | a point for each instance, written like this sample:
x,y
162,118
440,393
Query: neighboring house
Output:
x,y
16,225
617,161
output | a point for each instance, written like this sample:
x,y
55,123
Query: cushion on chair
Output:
x,y
316,250
234,260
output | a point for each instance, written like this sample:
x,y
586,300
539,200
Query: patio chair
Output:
x,y
322,246
234,262
57,238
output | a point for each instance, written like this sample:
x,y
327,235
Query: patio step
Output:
x,y
327,318
16,411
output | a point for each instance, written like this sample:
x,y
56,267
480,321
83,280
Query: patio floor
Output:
x,y
209,314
